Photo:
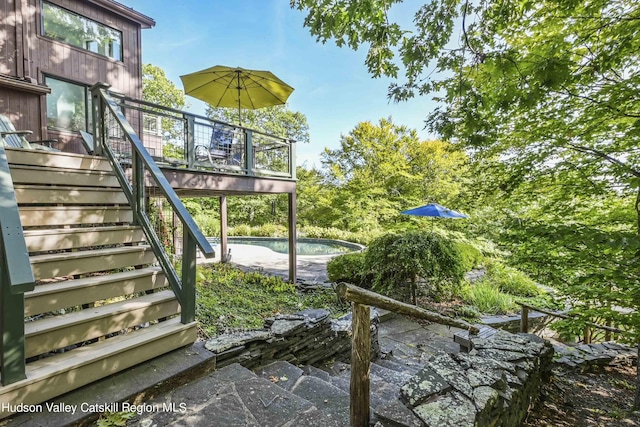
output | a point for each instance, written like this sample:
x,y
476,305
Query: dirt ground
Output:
x,y
603,399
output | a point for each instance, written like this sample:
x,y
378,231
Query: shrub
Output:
x,y
511,280
209,225
349,268
470,255
488,298
401,260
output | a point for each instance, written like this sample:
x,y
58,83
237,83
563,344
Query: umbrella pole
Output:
x,y
239,109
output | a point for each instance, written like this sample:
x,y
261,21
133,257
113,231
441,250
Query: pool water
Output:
x,y
304,246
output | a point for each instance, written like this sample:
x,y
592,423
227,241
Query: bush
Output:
x,y
349,268
209,225
470,255
511,280
488,298
401,260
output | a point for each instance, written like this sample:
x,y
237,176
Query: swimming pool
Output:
x,y
305,246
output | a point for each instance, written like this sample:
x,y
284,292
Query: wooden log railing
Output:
x,y
524,321
361,341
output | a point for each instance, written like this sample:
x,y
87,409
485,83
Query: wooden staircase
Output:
x,y
99,305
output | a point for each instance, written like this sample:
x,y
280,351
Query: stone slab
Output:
x,y
322,394
269,404
422,386
281,373
395,413
226,342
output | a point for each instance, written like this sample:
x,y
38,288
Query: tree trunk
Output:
x,y
636,400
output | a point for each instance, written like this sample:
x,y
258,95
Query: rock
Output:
x,y
452,410
226,341
282,327
422,386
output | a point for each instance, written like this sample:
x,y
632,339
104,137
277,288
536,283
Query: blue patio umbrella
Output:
x,y
434,209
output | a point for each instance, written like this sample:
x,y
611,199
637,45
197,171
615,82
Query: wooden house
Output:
x,y
53,51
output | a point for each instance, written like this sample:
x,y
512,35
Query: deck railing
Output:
x,y
111,128
16,278
188,140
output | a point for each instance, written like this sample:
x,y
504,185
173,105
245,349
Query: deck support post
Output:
x,y
293,257
223,230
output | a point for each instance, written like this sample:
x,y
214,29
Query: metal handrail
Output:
x,y
142,161
197,116
16,278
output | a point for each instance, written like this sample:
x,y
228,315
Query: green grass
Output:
x,y
230,299
488,299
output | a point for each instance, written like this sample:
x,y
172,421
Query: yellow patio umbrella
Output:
x,y
222,86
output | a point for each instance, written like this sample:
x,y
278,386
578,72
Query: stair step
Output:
x,y
316,372
389,375
91,261
63,372
398,367
72,238
281,373
57,160
34,216
321,393
70,293
53,333
22,174
36,194
269,404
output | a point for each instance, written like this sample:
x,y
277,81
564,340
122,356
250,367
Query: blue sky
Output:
x,y
332,86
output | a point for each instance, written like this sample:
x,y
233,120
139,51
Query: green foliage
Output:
x,y
277,120
114,419
488,299
158,89
229,298
470,255
350,268
544,96
510,280
209,224
401,260
378,171
363,237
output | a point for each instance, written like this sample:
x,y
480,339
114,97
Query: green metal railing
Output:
x,y
16,278
196,142
111,126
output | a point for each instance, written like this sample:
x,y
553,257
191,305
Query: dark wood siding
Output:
x,y
27,55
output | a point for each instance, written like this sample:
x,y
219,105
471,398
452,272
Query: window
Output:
x,y
68,106
63,25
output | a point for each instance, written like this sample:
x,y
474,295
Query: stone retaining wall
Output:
x,y
307,337
492,385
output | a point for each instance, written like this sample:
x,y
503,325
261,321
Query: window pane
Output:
x,y
66,105
69,27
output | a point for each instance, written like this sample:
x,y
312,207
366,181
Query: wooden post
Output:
x,y
224,252
360,361
587,335
293,239
524,319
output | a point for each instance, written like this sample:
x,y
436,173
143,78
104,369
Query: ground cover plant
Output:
x,y
231,299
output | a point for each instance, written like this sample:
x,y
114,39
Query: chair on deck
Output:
x,y
220,147
10,137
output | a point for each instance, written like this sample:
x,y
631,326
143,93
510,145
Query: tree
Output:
x,y
277,120
157,88
382,169
547,89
